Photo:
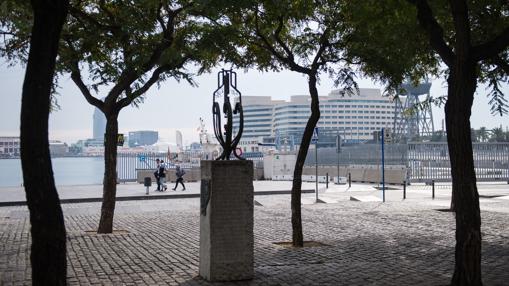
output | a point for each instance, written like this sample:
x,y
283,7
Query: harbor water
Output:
x,y
67,171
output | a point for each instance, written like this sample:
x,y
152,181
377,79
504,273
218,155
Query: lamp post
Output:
x,y
314,140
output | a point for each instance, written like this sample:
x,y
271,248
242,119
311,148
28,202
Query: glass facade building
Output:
x,y
355,118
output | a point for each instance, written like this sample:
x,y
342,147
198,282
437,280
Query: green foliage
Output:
x,y
15,28
385,39
126,46
390,45
304,36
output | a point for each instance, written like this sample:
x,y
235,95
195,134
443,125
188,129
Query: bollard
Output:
x,y
327,180
349,179
404,189
147,182
433,189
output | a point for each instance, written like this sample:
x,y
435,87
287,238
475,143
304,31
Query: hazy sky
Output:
x,y
178,106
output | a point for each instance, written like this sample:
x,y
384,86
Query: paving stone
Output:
x,y
368,243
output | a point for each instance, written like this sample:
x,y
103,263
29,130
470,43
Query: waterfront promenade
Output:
x,y
367,242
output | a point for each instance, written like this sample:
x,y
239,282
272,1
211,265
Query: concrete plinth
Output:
x,y
226,220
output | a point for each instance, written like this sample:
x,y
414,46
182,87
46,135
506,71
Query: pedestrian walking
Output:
x,y
162,176
156,174
180,178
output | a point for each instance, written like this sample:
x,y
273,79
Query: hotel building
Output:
x,y
281,122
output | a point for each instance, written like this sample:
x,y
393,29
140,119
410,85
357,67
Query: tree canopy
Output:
x,y
117,50
390,45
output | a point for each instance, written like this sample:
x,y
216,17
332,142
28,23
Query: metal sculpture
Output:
x,y
226,83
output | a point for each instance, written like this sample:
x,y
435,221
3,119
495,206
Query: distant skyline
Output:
x,y
178,106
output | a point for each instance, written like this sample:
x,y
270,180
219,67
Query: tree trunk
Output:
x,y
110,174
48,251
462,83
297,236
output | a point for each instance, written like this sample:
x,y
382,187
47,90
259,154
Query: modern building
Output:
x,y
99,128
9,146
258,121
142,138
355,118
58,148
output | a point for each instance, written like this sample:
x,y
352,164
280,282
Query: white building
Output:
x,y
354,117
9,146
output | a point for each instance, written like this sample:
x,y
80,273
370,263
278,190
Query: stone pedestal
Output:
x,y
226,220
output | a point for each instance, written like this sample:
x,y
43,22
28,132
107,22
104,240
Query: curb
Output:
x,y
145,197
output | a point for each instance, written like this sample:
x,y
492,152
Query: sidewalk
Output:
x,y
156,242
417,193
12,196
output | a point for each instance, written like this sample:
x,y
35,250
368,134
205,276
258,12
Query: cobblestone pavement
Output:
x,y
365,243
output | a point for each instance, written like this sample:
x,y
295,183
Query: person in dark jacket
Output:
x,y
180,178
162,176
156,174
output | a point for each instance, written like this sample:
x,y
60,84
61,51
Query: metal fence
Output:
x,y
430,161
362,154
424,161
128,164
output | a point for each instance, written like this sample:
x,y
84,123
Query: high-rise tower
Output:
x,y
99,127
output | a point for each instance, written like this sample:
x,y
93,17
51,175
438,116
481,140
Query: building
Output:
x,y
354,118
258,122
142,138
9,147
99,128
58,148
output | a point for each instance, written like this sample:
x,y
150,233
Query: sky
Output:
x,y
178,106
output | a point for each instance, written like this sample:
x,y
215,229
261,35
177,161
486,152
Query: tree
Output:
x,y
130,47
127,47
304,37
483,134
470,38
498,135
48,250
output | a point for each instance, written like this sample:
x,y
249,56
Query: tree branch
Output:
x,y
493,47
77,79
152,80
268,46
129,75
324,43
80,15
434,31
277,32
133,95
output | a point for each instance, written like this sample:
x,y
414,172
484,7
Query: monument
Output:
x,y
226,199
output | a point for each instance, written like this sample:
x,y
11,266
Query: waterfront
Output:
x,y
67,171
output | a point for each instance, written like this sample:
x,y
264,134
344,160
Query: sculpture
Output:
x,y
226,82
